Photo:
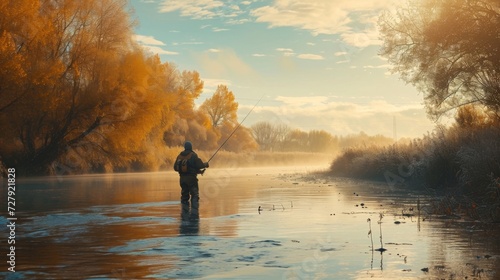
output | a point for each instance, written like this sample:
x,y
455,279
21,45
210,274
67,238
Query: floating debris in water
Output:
x,y
327,249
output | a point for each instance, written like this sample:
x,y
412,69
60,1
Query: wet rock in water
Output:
x,y
425,269
397,222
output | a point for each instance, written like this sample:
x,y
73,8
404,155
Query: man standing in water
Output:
x,y
189,165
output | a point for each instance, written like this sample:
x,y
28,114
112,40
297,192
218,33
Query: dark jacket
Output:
x,y
194,164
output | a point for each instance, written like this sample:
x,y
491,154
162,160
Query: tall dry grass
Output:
x,y
460,161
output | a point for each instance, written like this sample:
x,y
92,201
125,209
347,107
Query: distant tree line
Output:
x,y
282,138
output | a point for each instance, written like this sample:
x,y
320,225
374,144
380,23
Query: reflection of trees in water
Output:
x,y
89,190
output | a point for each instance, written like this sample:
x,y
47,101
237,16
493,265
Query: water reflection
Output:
x,y
190,221
133,226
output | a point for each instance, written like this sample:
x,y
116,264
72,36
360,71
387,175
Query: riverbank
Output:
x,y
461,165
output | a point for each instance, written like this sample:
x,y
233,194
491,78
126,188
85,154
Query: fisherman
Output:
x,y
189,165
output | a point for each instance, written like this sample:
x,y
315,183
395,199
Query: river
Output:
x,y
253,223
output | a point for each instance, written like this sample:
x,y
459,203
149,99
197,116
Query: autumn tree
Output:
x,y
321,141
450,50
13,18
240,141
296,140
470,117
221,107
189,123
79,83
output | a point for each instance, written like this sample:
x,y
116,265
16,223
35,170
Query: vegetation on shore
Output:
x,y
449,52
462,163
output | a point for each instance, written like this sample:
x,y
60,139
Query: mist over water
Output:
x,y
253,223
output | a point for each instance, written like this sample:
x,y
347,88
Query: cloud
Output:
x,y
158,50
196,9
290,52
377,66
310,56
342,118
148,40
216,29
204,9
150,44
353,20
284,50
258,55
210,85
362,39
223,63
302,100
187,43
214,50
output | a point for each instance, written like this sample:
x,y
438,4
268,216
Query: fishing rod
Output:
x,y
235,129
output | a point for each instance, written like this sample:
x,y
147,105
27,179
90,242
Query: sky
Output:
x,y
314,64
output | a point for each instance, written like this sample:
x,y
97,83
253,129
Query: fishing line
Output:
x,y
235,129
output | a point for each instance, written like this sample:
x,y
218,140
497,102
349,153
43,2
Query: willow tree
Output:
x,y
74,79
448,49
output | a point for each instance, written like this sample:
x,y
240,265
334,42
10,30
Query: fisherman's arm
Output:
x,y
199,164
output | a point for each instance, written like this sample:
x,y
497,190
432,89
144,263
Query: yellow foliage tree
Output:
x,y
78,95
222,110
75,90
221,107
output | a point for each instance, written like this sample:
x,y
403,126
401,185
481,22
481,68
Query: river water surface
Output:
x,y
253,223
